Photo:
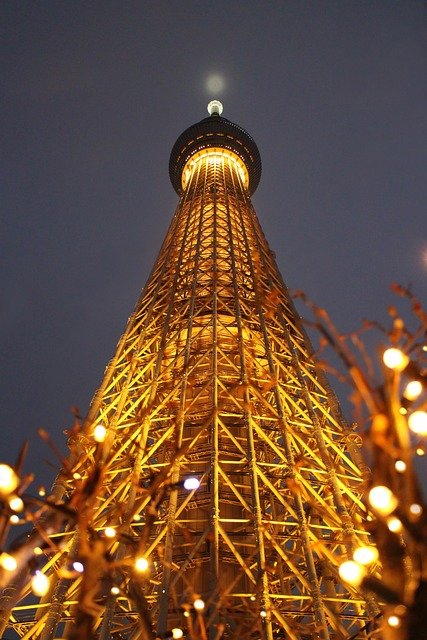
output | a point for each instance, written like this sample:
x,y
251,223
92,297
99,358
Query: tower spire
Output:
x,y
214,378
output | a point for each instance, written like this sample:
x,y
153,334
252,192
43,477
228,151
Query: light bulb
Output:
x,y
413,390
352,572
416,509
40,584
263,614
191,484
365,555
14,519
382,499
394,524
78,566
8,480
42,492
115,591
110,532
8,562
99,433
177,633
417,422
395,359
141,564
393,621
400,466
16,503
198,604
420,451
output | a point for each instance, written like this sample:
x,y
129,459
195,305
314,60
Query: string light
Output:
x,y
394,524
141,564
198,604
115,591
403,411
413,390
8,562
99,433
191,484
177,633
263,614
40,584
393,621
352,572
365,555
42,492
395,359
77,476
400,466
78,566
420,451
8,480
16,503
382,499
417,422
37,551
14,519
110,532
416,509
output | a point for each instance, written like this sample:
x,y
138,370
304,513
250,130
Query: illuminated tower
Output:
x,y
214,378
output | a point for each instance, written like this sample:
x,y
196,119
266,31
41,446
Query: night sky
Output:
x,y
94,96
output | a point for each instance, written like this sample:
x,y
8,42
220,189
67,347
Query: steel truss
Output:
x,y
214,377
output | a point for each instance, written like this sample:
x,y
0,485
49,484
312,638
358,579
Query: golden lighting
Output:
x,y
416,509
16,503
382,500
365,555
400,466
8,562
263,614
14,519
413,389
42,492
8,480
40,584
395,359
141,564
198,604
177,633
110,532
393,621
216,155
394,524
420,451
115,591
352,572
417,423
99,433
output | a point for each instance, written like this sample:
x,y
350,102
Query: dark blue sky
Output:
x,y
94,96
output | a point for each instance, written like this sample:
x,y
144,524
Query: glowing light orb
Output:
x,y
382,499
365,555
141,564
191,483
352,572
417,422
8,479
215,83
395,359
40,584
198,604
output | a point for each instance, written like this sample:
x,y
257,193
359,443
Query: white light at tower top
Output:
x,y
215,106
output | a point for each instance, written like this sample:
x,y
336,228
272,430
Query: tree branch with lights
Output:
x,y
389,395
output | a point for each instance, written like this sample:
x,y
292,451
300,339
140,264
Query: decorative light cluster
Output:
x,y
8,480
354,571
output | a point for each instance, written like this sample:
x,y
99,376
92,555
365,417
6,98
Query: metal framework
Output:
x,y
214,377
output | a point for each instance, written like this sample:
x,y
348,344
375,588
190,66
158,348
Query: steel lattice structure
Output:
x,y
214,377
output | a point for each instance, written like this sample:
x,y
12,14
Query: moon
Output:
x,y
215,83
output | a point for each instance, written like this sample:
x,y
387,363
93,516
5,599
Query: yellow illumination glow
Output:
x,y
263,614
115,591
110,532
394,524
365,555
37,551
395,359
420,451
413,390
42,492
417,422
214,155
382,499
198,604
177,633
393,621
40,584
14,519
352,572
400,466
16,503
99,433
8,562
141,564
8,480
416,509
403,411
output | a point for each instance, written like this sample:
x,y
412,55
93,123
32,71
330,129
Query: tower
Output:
x,y
213,379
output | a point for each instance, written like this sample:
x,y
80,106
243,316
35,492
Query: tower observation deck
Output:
x,y
213,379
